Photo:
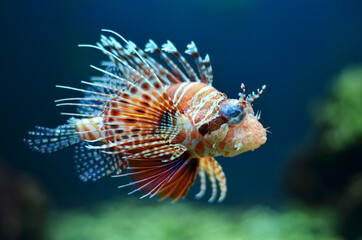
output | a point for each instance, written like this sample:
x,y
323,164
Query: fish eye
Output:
x,y
233,111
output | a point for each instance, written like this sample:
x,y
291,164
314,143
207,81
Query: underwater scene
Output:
x,y
193,119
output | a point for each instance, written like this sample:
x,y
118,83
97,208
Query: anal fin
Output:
x,y
94,164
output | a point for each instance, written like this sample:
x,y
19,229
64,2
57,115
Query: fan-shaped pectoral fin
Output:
x,y
171,179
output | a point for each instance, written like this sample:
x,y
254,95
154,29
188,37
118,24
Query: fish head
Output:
x,y
244,133
242,129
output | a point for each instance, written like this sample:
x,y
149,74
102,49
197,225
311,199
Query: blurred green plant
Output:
x,y
341,113
327,170
127,220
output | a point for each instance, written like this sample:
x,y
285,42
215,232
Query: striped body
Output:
x,y
164,124
89,128
199,104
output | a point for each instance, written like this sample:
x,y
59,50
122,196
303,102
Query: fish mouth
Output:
x,y
262,140
252,136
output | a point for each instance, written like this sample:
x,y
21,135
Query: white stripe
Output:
x,y
211,111
178,90
93,125
205,100
194,98
184,92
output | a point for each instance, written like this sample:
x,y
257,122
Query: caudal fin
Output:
x,y
48,140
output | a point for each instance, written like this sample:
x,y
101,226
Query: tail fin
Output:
x,y
48,140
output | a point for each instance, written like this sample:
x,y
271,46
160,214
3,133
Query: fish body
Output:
x,y
164,124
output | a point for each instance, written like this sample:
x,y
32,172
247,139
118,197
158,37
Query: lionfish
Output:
x,y
164,124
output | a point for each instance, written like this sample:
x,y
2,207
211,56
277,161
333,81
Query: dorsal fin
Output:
x,y
140,118
134,57
170,48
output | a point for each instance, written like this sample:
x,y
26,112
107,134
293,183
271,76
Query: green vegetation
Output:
x,y
341,113
120,220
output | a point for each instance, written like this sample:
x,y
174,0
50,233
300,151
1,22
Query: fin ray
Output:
x,y
167,180
94,164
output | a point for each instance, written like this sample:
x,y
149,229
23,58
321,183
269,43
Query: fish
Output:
x,y
159,122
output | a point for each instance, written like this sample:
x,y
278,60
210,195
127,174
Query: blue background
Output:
x,y
294,47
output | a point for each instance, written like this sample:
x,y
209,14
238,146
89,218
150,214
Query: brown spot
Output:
x,y
146,97
110,119
125,137
140,111
145,86
133,90
114,104
165,96
125,95
177,54
113,126
134,136
195,55
157,85
157,50
115,112
203,129
119,131
136,130
146,104
130,120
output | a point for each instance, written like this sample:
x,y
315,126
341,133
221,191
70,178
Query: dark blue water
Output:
x,y
294,47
